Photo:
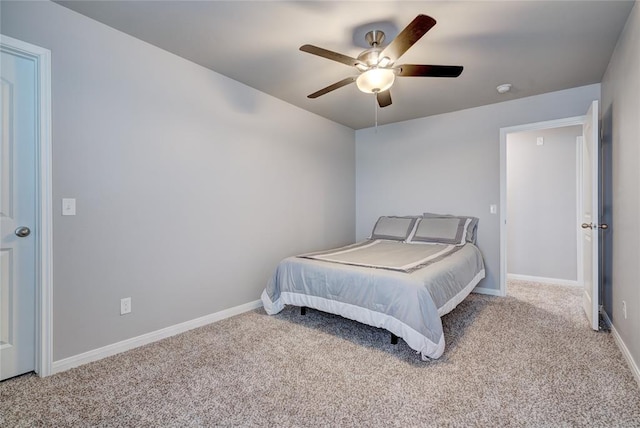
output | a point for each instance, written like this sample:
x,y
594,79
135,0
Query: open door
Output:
x,y
590,204
18,157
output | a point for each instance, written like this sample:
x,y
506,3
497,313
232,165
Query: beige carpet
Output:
x,y
525,360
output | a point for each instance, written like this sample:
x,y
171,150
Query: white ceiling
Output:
x,y
538,46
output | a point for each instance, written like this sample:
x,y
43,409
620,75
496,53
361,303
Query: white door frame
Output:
x,y
44,206
558,123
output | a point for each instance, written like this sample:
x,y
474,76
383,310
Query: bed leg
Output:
x,y
394,339
303,310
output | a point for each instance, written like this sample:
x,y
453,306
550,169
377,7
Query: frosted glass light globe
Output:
x,y
376,80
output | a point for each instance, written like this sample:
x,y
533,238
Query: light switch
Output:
x,y
540,141
493,209
68,206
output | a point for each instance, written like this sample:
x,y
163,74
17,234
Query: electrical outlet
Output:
x,y
624,309
125,305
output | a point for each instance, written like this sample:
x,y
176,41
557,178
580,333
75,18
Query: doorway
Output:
x,y
25,317
543,205
588,205
504,133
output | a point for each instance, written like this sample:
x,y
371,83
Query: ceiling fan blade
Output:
x,y
333,87
334,56
384,98
429,70
407,37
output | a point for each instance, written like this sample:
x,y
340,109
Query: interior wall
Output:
x,y
190,186
450,163
621,110
542,203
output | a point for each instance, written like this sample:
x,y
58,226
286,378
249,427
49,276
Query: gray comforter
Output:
x,y
403,288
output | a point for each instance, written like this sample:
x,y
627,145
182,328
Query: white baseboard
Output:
x,y
543,280
134,342
623,348
489,291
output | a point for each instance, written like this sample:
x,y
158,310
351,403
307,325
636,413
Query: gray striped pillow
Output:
x,y
472,227
393,228
440,230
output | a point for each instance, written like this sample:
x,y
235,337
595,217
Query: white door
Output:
x,y
18,133
590,152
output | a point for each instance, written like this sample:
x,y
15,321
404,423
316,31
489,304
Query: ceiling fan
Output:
x,y
376,65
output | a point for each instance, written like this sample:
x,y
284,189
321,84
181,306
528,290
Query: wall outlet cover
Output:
x,y
68,206
125,306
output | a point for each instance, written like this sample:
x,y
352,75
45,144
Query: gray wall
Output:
x,y
621,105
450,163
190,186
542,203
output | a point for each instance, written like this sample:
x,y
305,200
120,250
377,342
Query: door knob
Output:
x,y
603,226
22,232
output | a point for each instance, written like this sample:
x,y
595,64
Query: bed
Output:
x,y
409,273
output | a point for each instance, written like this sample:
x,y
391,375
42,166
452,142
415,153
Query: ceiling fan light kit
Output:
x,y
376,65
376,80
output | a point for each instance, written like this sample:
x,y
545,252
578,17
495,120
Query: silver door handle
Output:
x,y
22,232
603,226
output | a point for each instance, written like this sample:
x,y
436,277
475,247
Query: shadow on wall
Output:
x,y
238,97
606,216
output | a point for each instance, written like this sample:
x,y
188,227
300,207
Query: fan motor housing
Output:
x,y
370,56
